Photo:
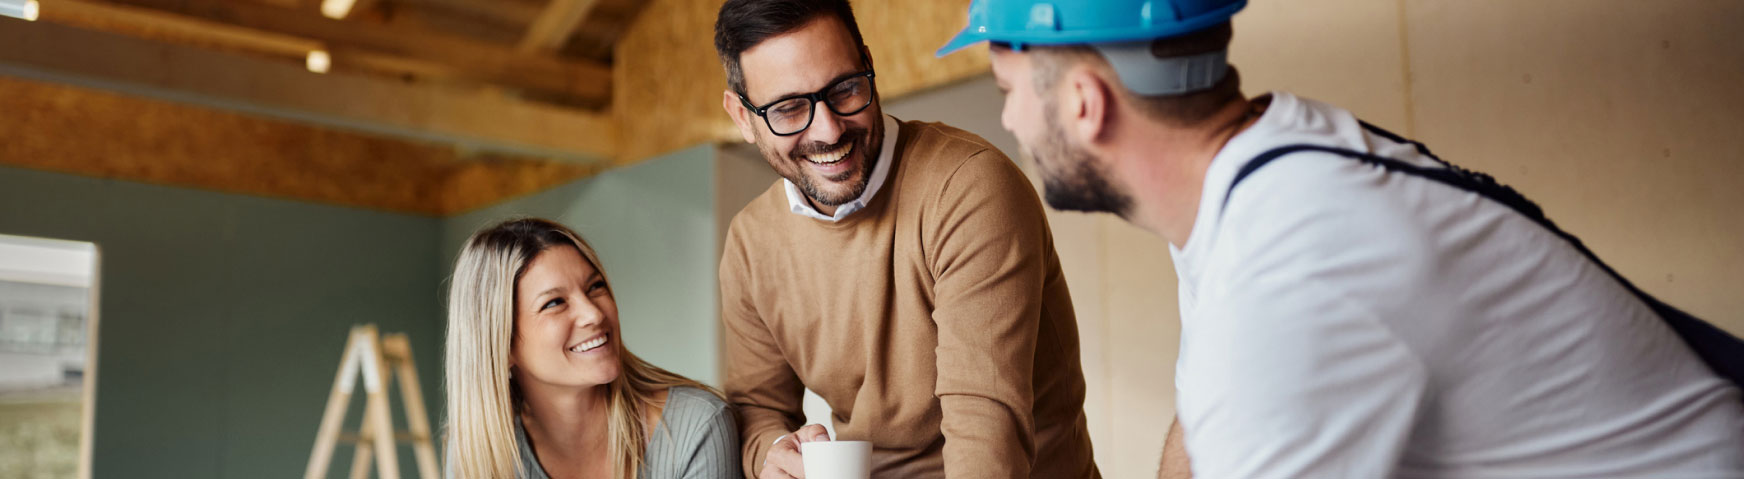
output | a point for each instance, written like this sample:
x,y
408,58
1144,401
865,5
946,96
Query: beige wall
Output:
x,y
1623,119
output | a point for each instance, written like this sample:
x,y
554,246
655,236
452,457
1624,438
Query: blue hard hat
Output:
x,y
1121,30
1066,22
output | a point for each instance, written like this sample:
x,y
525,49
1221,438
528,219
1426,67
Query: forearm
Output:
x,y
759,429
1175,463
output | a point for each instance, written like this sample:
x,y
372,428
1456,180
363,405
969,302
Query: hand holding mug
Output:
x,y
783,461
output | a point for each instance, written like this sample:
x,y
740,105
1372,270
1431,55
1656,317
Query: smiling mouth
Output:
x,y
591,344
833,156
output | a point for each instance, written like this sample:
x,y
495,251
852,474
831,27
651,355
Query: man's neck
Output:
x,y
1165,167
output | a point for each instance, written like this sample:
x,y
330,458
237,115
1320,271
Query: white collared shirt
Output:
x,y
797,203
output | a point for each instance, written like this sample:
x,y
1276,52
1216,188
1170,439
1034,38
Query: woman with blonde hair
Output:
x,y
539,383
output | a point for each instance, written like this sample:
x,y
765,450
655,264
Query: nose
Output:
x,y
826,126
587,314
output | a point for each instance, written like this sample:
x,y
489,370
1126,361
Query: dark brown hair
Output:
x,y
743,24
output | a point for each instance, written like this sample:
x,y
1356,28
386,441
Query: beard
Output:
x,y
1072,178
867,145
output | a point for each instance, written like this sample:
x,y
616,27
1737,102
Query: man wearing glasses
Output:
x,y
904,271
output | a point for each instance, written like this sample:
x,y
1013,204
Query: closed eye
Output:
x,y
597,286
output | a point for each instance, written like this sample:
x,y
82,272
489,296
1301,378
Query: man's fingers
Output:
x,y
812,432
770,472
784,461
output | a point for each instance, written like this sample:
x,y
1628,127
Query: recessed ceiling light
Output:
x,y
336,9
318,61
27,10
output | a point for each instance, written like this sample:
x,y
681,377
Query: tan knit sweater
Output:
x,y
935,321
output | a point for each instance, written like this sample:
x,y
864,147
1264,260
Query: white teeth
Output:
x,y
831,156
590,345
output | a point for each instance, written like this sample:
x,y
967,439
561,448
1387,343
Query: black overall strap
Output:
x,y
1723,352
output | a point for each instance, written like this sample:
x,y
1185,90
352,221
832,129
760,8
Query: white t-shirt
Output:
x,y
1341,321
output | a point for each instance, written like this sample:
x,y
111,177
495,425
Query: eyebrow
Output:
x,y
792,95
590,280
548,291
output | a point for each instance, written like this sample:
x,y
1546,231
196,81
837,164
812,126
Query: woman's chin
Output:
x,y
603,376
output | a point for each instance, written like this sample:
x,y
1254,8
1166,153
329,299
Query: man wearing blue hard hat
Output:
x,y
1351,305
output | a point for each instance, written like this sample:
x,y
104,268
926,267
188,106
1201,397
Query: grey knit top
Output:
x,y
696,438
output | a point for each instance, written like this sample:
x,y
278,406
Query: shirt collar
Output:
x,y
797,203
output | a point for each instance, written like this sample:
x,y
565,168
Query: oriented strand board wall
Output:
x,y
109,135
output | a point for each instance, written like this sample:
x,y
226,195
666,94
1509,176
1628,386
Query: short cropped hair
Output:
x,y
743,24
1182,110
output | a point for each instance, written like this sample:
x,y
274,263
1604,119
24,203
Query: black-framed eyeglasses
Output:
x,y
791,115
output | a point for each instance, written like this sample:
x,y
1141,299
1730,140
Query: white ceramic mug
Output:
x,y
837,459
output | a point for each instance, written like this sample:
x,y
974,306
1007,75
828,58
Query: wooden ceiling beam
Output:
x,y
587,82
507,11
48,127
158,25
554,25
478,120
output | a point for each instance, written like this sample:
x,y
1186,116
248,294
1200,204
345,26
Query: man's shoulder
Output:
x,y
768,206
940,158
938,147
943,135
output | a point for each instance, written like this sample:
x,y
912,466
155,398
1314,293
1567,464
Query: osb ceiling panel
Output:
x,y
92,133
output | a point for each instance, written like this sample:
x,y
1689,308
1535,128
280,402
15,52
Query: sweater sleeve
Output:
x,y
760,384
988,247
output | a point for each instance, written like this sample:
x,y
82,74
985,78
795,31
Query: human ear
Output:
x,y
1087,104
741,116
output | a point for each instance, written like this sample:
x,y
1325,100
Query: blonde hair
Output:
x,y
483,398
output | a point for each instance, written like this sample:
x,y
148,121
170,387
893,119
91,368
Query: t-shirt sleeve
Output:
x,y
1307,385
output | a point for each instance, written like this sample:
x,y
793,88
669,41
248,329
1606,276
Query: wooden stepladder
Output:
x,y
378,357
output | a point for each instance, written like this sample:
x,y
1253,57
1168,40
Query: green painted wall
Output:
x,y
653,224
222,316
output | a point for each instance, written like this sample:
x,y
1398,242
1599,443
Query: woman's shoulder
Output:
x,y
690,401
697,433
693,416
